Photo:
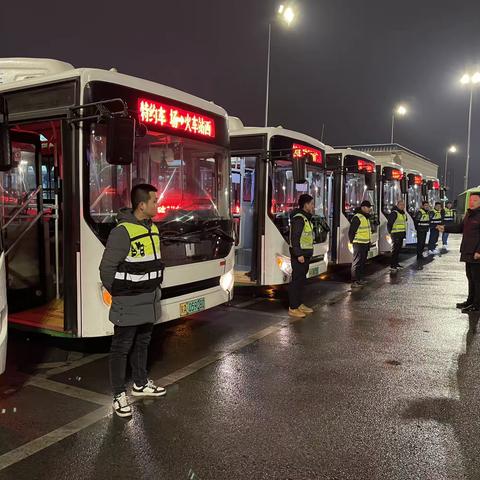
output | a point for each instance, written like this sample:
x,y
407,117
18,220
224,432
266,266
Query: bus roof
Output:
x,y
20,73
236,128
352,151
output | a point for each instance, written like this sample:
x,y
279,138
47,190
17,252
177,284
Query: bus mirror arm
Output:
x,y
5,147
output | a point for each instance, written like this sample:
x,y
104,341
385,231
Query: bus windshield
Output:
x,y
414,198
192,179
356,191
285,194
392,194
433,196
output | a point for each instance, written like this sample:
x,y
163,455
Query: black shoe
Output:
x,y
471,309
399,266
463,304
419,267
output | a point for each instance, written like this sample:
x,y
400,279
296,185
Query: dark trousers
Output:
x,y
473,275
360,254
445,239
298,281
432,241
397,242
421,240
134,340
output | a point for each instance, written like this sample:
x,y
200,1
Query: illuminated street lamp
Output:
x,y
286,14
451,149
400,110
471,80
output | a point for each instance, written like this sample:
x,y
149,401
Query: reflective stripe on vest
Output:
x,y
449,214
400,223
436,217
424,219
364,231
306,239
142,270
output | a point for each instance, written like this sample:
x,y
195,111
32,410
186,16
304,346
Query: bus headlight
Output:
x,y
284,264
388,238
226,281
350,247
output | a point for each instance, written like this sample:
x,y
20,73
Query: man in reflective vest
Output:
x,y
397,228
360,236
435,220
422,224
132,272
448,216
301,251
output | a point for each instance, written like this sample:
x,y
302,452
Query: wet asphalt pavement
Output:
x,y
381,383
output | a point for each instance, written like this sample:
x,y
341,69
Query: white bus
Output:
x,y
351,178
414,198
80,139
271,168
434,193
3,313
392,189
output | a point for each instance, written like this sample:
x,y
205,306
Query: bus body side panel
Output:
x,y
3,314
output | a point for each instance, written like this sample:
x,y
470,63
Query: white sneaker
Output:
x,y
148,390
445,248
425,254
436,251
431,252
120,405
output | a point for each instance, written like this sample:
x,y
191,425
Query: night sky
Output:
x,y
345,63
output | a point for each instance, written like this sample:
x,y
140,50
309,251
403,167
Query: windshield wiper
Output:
x,y
215,230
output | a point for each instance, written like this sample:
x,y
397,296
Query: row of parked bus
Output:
x,y
73,142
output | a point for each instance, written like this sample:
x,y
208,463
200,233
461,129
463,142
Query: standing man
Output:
x,y
132,272
469,252
360,236
301,251
435,221
448,216
397,228
422,224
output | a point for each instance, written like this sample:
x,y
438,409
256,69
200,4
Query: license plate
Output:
x,y
314,272
190,249
193,306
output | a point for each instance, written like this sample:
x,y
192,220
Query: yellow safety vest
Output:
x,y
142,269
400,224
449,214
364,231
424,219
436,217
306,239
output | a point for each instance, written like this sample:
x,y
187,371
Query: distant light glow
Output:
x,y
465,79
452,149
288,15
436,185
476,77
401,110
281,8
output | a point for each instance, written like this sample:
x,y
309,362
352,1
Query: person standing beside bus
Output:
x,y
397,228
301,251
360,236
448,217
131,270
422,225
435,220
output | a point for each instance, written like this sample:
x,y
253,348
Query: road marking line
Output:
x,y
70,390
76,363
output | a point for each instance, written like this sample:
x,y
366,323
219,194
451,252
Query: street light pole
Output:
x,y
465,183
268,73
393,125
445,171
401,110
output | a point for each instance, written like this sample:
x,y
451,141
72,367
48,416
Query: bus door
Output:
x,y
243,208
25,232
3,311
334,186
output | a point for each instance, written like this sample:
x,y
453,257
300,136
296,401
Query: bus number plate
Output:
x,y
314,272
193,306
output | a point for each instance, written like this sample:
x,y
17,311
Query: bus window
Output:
x,y
392,194
356,192
414,198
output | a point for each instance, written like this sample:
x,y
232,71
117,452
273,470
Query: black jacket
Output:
x,y
470,227
355,223
296,229
391,220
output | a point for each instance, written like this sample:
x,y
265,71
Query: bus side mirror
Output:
x,y
5,150
120,140
300,170
424,189
370,180
404,185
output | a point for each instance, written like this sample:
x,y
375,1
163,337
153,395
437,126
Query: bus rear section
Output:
x,y
266,164
351,179
69,177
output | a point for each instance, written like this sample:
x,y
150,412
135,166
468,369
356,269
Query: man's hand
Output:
x,y
441,228
476,256
302,259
